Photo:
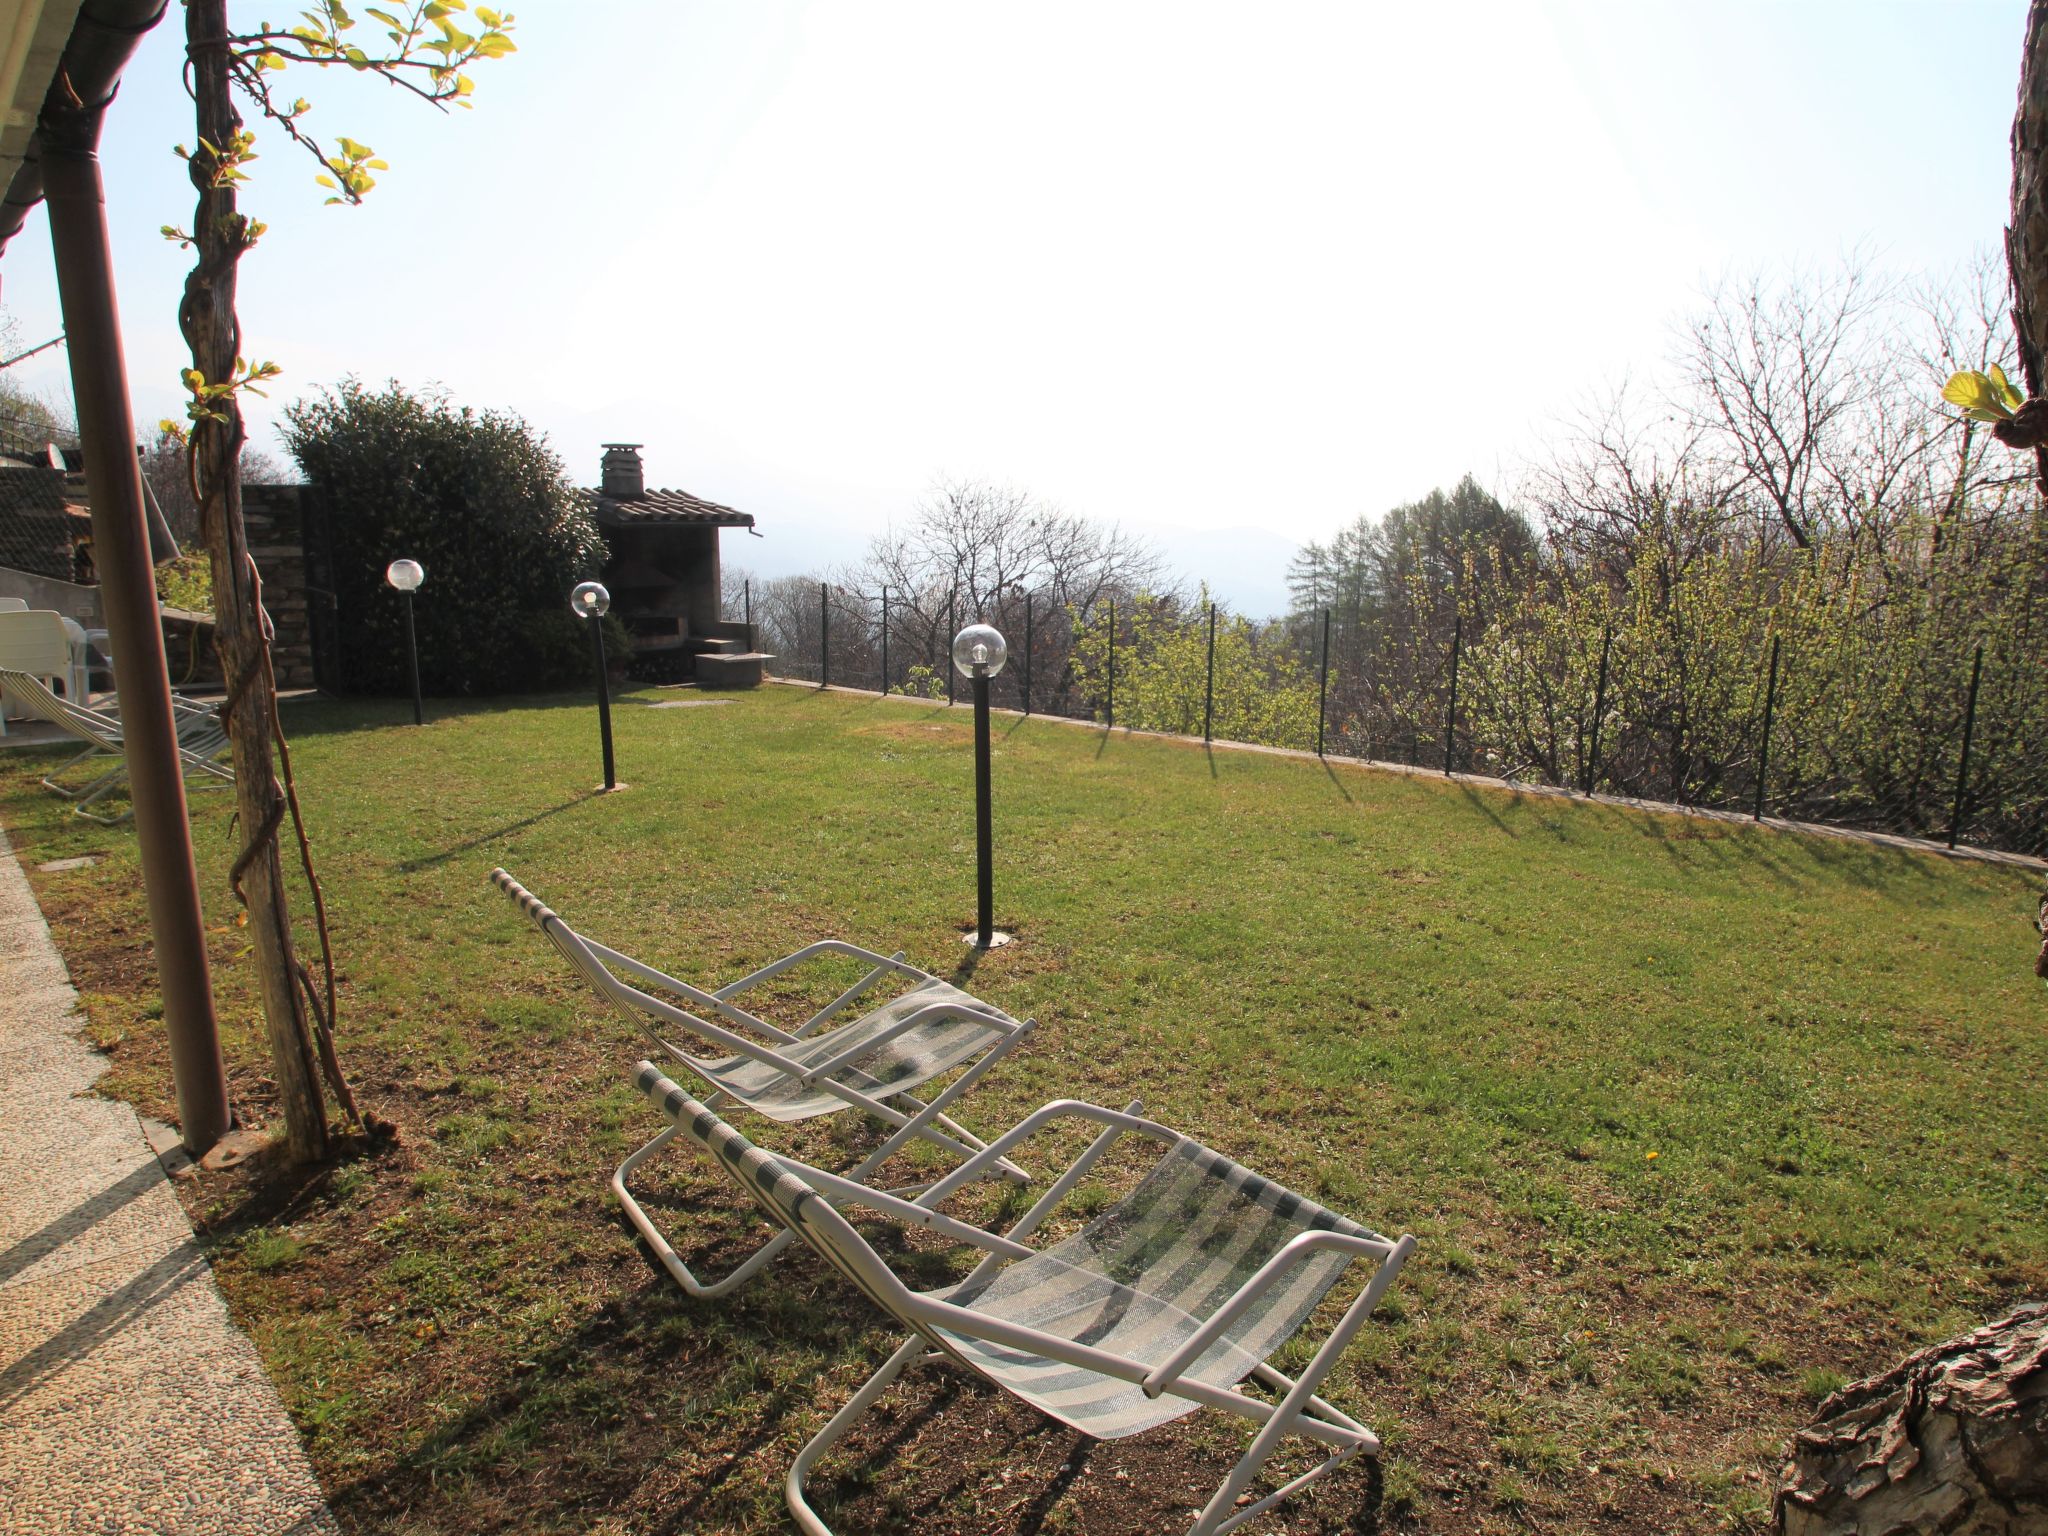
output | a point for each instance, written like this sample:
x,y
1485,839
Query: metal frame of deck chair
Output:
x,y
200,737
1165,1303
870,1063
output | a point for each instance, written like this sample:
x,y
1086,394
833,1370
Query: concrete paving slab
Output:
x,y
129,1401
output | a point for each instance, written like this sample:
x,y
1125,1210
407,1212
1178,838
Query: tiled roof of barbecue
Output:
x,y
35,528
663,506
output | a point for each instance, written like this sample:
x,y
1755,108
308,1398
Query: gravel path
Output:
x,y
129,1401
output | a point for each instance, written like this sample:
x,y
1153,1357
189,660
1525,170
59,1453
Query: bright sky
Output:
x,y
1192,268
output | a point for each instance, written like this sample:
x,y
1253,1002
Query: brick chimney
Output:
x,y
623,475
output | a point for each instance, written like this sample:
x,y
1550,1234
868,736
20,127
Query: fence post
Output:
x,y
824,636
1323,684
1111,708
952,629
1027,653
1599,708
1451,715
1955,819
885,642
1763,756
1209,688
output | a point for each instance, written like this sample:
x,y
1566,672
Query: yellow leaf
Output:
x,y
1974,393
2012,398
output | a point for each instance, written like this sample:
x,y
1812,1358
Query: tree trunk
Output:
x,y
207,318
1951,1442
2026,239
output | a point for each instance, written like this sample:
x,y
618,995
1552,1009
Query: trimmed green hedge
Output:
x,y
481,501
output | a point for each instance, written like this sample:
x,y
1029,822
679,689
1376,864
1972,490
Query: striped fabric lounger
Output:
x,y
1168,1301
872,1063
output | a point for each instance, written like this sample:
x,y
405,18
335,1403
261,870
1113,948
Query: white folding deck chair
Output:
x,y
871,1063
1167,1302
201,737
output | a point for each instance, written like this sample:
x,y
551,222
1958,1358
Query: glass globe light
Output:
x,y
405,575
979,650
589,600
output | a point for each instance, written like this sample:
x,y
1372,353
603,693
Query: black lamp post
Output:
x,y
406,576
980,652
591,601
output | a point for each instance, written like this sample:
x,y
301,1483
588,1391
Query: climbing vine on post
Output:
x,y
424,51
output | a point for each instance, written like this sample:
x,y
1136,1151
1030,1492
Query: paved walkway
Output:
x,y
129,1402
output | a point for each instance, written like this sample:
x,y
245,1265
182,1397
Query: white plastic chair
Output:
x,y
1168,1301
45,644
871,1063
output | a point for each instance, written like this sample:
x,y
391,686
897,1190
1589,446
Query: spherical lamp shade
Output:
x,y
406,575
979,650
589,600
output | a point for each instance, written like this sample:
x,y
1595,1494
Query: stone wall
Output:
x,y
274,516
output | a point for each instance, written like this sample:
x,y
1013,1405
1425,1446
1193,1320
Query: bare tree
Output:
x,y
978,551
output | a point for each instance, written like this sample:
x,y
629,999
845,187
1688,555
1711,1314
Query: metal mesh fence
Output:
x,y
1949,744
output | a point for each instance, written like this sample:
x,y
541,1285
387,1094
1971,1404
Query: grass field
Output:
x,y
1693,1120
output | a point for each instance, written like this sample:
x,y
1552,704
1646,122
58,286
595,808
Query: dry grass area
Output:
x,y
1693,1120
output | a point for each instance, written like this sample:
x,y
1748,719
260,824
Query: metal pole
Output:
x,y
1955,819
824,636
747,590
1323,684
984,819
604,699
1451,716
952,629
885,642
156,786
1763,756
412,651
1027,653
1111,722
1209,687
1599,708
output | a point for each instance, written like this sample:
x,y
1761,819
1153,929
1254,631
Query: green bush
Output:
x,y
476,497
558,645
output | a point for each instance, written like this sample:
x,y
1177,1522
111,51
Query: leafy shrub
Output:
x,y
481,501
558,644
186,582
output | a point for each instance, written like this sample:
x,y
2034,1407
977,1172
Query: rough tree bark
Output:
x,y
1951,1442
212,332
2026,244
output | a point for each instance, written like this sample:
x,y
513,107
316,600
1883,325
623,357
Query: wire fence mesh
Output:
x,y
1942,743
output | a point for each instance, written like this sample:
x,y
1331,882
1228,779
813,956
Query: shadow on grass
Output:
x,y
432,860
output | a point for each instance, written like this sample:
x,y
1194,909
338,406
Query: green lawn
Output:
x,y
1693,1119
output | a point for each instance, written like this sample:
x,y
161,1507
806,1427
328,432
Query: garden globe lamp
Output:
x,y
405,577
591,601
980,651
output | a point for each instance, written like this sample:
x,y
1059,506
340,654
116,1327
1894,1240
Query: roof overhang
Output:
x,y
33,34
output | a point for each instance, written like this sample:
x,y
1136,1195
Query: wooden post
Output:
x,y
99,381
